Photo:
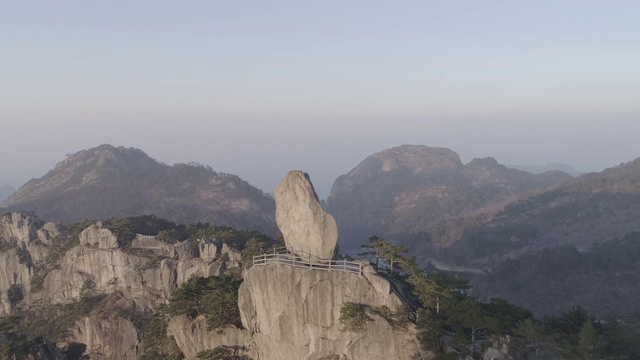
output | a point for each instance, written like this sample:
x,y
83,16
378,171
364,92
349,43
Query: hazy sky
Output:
x,y
257,88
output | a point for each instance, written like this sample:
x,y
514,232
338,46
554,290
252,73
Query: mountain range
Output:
x,y
480,217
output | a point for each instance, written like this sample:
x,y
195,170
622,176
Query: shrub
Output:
x,y
219,353
15,294
216,297
353,317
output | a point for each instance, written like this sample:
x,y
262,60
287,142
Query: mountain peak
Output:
x,y
418,158
108,181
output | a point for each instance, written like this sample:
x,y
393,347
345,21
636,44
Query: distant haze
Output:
x,y
260,88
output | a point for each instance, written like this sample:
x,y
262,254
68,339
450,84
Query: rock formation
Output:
x,y
39,270
294,313
193,337
110,338
96,236
307,229
108,290
24,242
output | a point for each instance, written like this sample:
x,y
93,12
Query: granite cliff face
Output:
x,y
25,242
111,288
106,182
294,313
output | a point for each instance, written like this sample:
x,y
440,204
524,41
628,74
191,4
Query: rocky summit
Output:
x,y
307,229
108,181
412,189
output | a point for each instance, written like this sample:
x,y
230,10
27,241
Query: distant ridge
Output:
x,y
537,169
409,189
108,181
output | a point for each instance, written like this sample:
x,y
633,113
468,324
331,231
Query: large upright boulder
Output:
x,y
307,229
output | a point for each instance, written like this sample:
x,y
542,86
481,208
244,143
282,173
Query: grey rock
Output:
x,y
98,237
113,338
193,337
307,229
150,243
294,313
208,249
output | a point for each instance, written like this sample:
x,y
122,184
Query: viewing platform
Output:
x,y
282,255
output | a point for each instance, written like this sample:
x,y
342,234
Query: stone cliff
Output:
x,y
293,314
111,289
111,296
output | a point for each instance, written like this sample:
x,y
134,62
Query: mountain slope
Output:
x,y
410,189
106,182
6,191
594,207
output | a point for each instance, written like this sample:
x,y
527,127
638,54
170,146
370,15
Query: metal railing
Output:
x,y
296,259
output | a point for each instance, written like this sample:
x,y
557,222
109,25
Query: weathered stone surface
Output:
x,y
150,243
306,227
13,272
24,239
113,338
185,250
208,249
96,236
294,313
193,337
139,278
146,281
235,256
16,228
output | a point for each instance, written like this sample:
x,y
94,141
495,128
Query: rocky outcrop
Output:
x,y
307,229
122,285
193,337
113,338
148,281
24,239
98,237
18,228
294,313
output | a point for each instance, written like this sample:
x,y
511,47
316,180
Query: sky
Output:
x,y
257,88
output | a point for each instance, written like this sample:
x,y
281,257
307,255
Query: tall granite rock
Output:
x,y
307,229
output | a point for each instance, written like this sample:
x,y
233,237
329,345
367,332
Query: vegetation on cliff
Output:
x,y
449,318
